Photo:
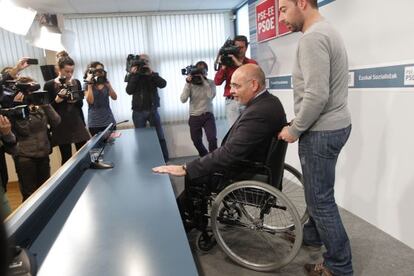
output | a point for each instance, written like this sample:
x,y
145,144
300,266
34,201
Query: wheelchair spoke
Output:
x,y
262,236
248,219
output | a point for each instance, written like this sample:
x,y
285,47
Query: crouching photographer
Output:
x,y
66,96
231,56
143,85
31,158
98,90
201,92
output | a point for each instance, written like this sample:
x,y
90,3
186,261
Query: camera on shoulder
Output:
x,y
29,90
228,48
138,62
195,72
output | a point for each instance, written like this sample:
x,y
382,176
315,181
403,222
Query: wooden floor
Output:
x,y
14,195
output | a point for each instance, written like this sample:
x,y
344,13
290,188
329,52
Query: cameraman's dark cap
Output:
x,y
203,63
95,64
241,38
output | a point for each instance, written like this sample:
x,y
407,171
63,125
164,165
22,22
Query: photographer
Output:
x,y
8,140
31,158
10,74
98,90
201,92
8,144
143,85
61,94
225,72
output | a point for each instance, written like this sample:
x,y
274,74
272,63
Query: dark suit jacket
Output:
x,y
248,139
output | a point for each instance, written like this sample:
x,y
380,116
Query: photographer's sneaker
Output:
x,y
317,270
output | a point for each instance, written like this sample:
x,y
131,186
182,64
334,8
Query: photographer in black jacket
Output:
x,y
31,158
7,138
143,85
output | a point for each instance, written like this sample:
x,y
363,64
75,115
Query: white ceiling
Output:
x,y
115,6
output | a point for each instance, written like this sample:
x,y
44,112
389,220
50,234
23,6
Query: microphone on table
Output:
x,y
96,163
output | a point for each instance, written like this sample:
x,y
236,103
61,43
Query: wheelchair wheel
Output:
x,y
256,239
292,187
205,241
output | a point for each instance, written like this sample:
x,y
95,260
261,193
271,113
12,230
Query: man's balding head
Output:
x,y
246,82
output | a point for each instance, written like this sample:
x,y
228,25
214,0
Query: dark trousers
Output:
x,y
32,173
195,188
3,169
66,150
197,123
96,130
140,119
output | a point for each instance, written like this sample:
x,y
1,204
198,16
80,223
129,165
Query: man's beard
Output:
x,y
295,27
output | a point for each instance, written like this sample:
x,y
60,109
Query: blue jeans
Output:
x,y
318,152
140,119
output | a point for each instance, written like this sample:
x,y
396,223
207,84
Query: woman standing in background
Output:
x,y
97,93
65,97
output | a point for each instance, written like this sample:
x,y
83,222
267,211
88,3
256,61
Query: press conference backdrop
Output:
x,y
172,41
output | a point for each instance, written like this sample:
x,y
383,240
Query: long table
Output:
x,y
121,221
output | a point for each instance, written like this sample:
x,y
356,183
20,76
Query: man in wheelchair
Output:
x,y
248,140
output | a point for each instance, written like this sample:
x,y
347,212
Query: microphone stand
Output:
x,y
100,165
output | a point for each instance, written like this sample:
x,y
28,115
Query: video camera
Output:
x,y
19,112
99,75
195,73
135,61
29,90
228,48
71,94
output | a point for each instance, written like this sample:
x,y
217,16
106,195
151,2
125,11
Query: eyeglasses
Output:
x,y
237,85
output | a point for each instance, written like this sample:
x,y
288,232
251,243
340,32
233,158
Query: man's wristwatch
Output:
x,y
184,167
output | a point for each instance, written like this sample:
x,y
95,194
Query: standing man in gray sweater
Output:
x,y
201,92
322,125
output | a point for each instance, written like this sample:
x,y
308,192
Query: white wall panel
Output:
x,y
375,179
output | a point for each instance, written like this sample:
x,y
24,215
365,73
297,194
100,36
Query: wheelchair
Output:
x,y
249,212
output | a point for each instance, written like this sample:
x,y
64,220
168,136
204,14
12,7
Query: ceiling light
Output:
x,y
49,35
15,19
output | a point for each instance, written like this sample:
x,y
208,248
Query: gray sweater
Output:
x,y
201,97
320,81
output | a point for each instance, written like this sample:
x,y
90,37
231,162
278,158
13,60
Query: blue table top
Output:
x,y
125,222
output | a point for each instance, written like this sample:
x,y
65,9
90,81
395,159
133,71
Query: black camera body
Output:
x,y
99,75
229,48
30,92
20,112
25,88
37,98
195,73
71,94
135,61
